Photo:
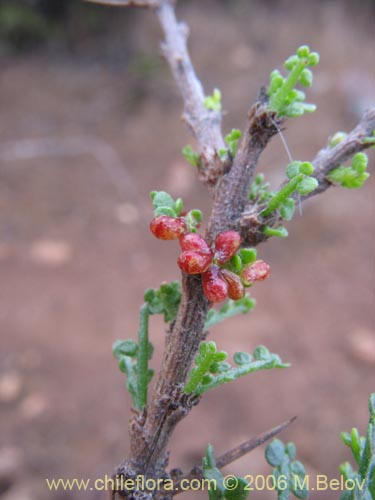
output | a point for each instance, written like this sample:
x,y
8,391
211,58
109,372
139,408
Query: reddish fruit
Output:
x,y
192,241
215,287
193,262
226,244
168,228
258,271
236,289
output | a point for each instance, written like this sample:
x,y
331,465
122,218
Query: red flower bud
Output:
x,y
215,287
168,228
192,241
236,289
226,244
193,262
258,271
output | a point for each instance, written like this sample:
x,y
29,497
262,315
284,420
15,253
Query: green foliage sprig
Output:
x,y
300,180
260,190
284,99
213,102
232,140
290,474
229,309
133,356
191,156
353,176
211,369
363,450
164,204
220,489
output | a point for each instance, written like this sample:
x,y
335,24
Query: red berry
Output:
x,y
168,228
258,271
192,241
226,244
236,289
215,287
193,262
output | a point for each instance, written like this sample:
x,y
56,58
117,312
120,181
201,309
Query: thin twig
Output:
x,y
235,453
205,123
127,3
326,160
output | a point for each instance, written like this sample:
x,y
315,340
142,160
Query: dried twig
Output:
x,y
235,453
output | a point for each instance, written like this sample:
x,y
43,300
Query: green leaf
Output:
x,y
353,176
279,232
240,492
213,102
307,185
125,348
229,309
275,453
164,300
287,209
261,359
191,156
164,204
232,140
337,138
248,255
290,475
284,99
363,450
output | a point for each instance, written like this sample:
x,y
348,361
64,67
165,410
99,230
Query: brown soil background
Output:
x,y
76,253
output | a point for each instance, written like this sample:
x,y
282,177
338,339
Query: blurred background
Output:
x,y
89,125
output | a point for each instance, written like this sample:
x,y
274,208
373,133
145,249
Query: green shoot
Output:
x,y
211,370
353,176
284,99
300,180
363,450
220,488
191,156
213,102
290,474
279,232
228,310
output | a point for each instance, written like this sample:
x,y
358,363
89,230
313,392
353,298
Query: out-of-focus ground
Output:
x,y
83,139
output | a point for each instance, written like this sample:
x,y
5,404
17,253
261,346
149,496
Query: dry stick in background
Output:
x,y
229,180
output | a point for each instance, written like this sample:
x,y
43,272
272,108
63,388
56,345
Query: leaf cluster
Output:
x,y
352,176
284,98
164,204
363,450
289,474
164,300
213,102
126,352
219,489
212,370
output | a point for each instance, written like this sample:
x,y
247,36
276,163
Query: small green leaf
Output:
x,y
287,209
232,140
164,300
213,102
164,204
337,138
124,348
275,452
279,232
191,156
240,492
248,255
230,309
307,185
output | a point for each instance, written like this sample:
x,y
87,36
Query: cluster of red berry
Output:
x,y
197,257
